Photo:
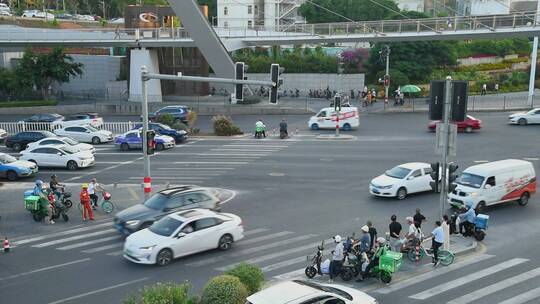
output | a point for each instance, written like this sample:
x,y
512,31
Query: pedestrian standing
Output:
x,y
446,229
372,234
395,230
337,259
373,95
418,218
85,202
484,89
496,88
438,240
365,240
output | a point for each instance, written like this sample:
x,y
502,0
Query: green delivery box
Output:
x,y
31,202
390,261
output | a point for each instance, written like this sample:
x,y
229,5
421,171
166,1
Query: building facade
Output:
x,y
411,5
493,7
271,15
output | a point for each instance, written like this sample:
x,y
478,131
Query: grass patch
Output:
x,y
27,103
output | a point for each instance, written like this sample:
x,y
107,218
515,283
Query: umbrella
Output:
x,y
410,88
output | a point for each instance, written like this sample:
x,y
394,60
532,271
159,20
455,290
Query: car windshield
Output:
x,y
329,289
6,159
70,141
470,180
165,226
156,202
48,134
398,172
69,149
89,127
164,127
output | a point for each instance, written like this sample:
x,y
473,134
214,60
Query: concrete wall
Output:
x,y
98,71
490,7
6,58
482,60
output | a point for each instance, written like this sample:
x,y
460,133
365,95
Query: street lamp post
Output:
x,y
533,62
146,157
387,73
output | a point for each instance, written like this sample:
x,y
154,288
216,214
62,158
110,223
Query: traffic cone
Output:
x,y
6,245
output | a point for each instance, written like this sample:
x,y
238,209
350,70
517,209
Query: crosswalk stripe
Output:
x,y
265,237
116,253
97,241
256,145
196,168
250,250
102,248
290,275
273,255
467,279
246,150
283,264
255,231
73,238
524,297
475,295
231,154
62,233
432,274
211,162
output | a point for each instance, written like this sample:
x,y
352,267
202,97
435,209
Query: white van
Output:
x,y
326,119
493,183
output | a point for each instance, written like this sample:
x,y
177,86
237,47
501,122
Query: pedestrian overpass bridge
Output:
x,y
454,28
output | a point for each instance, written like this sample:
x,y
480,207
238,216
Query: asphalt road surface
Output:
x,y
291,195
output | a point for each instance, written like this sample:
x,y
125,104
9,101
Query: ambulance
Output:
x,y
326,119
494,183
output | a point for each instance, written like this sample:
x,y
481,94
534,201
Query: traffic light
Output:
x,y
435,176
337,102
150,142
452,167
386,80
239,75
275,71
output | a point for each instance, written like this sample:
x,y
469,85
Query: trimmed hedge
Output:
x,y
163,293
224,126
27,103
250,275
224,289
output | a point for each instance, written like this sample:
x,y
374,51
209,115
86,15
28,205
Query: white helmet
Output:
x,y
381,240
337,238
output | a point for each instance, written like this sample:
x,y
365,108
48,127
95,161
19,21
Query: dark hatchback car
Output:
x,y
49,117
178,135
162,203
180,113
19,141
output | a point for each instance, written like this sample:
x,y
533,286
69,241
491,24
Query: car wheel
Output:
x,y
96,140
17,147
310,272
12,175
72,165
522,122
480,207
160,147
524,199
314,127
347,127
401,193
124,147
468,129
164,257
225,242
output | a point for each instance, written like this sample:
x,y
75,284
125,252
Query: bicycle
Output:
x,y
446,257
106,205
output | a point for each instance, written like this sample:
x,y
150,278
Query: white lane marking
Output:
x,y
98,291
211,162
530,158
467,279
68,172
265,237
255,231
233,154
290,275
524,297
97,241
285,263
102,248
255,145
62,233
183,173
480,293
197,178
245,150
73,238
116,253
227,156
196,168
432,274
481,161
106,169
251,250
43,269
273,255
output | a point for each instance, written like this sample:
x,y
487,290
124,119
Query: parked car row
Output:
x,y
55,119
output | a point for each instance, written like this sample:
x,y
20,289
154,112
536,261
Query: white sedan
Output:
x,y
299,292
63,141
525,118
183,233
58,156
86,134
402,180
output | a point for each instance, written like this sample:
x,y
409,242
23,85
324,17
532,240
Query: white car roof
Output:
x,y
500,165
414,166
283,293
193,214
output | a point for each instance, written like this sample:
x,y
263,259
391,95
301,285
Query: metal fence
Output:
x,y
16,127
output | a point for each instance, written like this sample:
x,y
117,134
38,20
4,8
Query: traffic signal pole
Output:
x,y
386,86
444,160
147,181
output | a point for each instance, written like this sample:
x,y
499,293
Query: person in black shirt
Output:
x,y
418,218
372,233
395,230
55,186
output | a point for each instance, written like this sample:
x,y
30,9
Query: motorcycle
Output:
x,y
259,132
64,199
316,266
36,206
478,230
283,134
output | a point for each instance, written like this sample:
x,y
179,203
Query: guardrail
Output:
x,y
16,127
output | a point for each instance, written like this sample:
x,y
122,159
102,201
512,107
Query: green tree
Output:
x,y
224,289
45,69
212,7
357,10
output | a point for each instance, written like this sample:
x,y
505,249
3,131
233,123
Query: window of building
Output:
x,y
225,24
256,9
225,11
250,9
250,24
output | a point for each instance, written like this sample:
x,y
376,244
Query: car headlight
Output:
x,y
147,247
132,223
473,194
385,187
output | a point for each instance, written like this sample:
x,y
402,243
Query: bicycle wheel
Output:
x,y
445,257
411,254
107,207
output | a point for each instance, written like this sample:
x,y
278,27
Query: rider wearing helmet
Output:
x,y
43,200
380,248
337,258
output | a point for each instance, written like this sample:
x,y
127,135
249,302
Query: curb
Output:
x,y
333,137
468,249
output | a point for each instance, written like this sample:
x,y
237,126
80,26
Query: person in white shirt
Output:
x,y
438,240
92,188
337,258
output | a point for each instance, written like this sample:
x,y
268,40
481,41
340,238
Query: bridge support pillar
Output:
x,y
149,58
